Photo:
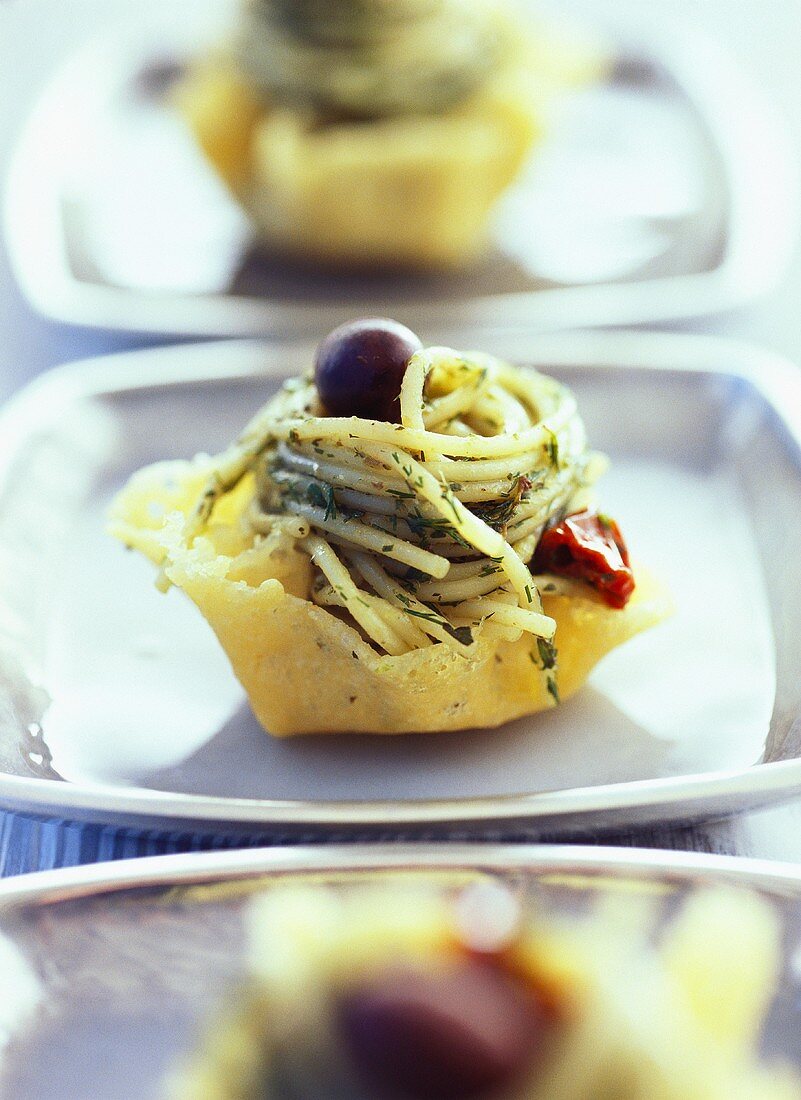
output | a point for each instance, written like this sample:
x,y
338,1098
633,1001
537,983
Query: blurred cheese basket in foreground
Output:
x,y
418,992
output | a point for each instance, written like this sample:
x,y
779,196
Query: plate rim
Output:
x,y
50,887
755,152
569,809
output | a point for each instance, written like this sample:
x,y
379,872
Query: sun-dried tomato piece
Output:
x,y
589,547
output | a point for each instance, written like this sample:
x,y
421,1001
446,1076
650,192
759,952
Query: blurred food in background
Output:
x,y
377,132
417,992
645,154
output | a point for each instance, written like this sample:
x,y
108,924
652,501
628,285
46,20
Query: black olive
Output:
x,y
460,1033
359,368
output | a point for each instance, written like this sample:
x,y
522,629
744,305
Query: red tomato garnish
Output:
x,y
589,547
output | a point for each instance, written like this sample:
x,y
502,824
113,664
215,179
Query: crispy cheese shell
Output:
x,y
305,670
413,191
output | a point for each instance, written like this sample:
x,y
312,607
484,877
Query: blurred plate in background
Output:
x,y
134,957
664,191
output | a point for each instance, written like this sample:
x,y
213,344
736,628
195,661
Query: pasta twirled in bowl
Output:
x,y
434,562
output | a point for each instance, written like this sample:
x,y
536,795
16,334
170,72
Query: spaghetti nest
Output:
x,y
385,576
420,531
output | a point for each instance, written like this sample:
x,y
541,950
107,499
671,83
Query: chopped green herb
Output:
x,y
553,689
437,528
499,513
414,576
430,617
552,449
315,495
330,504
447,496
547,652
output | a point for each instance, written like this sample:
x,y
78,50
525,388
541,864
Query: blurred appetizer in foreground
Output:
x,y
376,132
404,540
417,992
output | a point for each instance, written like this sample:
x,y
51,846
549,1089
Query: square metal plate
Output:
x,y
116,704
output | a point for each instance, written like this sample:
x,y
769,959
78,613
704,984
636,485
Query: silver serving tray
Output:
x,y
667,191
133,957
116,705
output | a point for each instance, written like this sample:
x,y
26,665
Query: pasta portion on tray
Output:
x,y
409,987
427,506
379,133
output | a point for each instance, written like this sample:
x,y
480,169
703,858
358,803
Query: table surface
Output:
x,y
34,34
